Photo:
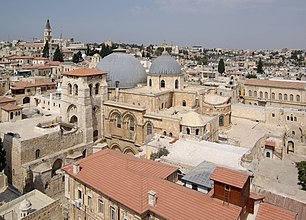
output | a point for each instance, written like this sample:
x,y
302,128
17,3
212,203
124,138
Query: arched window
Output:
x,y
291,97
97,88
197,131
188,130
75,89
255,94
268,154
12,115
150,82
184,103
162,84
273,95
280,96
90,89
149,128
118,121
250,93
69,89
285,97
261,94
132,124
37,154
176,84
266,95
298,98
221,121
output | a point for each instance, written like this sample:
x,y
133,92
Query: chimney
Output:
x,y
76,167
152,198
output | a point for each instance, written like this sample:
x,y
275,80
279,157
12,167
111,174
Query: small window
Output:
x,y
150,82
97,89
149,128
188,130
162,84
298,98
291,97
79,194
89,199
118,121
176,86
37,154
295,119
184,103
11,115
250,93
112,213
266,95
288,118
293,132
273,115
101,206
132,124
273,95
227,187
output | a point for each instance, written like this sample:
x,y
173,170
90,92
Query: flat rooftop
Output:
x,y
37,199
192,153
27,128
248,132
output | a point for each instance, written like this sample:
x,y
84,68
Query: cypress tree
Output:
x,y
221,66
58,55
260,66
46,50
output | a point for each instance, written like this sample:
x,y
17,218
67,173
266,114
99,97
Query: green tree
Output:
x,y
2,156
105,50
75,58
161,152
301,166
58,55
46,50
221,66
251,75
260,69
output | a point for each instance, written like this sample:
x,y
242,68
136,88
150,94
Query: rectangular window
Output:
x,y
100,206
112,213
90,202
79,194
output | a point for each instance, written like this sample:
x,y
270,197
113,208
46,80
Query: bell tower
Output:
x,y
47,32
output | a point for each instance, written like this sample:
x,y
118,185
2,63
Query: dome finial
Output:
x,y
165,48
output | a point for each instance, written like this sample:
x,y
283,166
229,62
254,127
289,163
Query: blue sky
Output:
x,y
242,24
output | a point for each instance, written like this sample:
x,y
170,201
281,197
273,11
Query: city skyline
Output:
x,y
248,24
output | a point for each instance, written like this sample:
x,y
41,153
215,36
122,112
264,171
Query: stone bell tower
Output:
x,y
47,32
83,93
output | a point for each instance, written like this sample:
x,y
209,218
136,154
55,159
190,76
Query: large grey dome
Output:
x,y
124,68
165,65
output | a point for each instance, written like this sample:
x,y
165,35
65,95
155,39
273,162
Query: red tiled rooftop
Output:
x,y
84,72
20,57
11,107
36,67
4,99
128,180
275,83
229,177
40,58
23,84
270,212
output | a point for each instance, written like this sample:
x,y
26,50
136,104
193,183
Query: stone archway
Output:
x,y
73,119
26,100
128,151
56,166
116,147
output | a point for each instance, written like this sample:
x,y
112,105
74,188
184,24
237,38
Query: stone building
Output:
x,y
288,94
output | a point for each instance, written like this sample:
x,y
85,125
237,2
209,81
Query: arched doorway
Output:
x,y
73,119
221,121
56,166
290,147
26,100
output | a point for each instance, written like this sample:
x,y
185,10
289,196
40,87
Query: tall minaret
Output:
x,y
47,32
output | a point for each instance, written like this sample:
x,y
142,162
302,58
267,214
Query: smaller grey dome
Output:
x,y
165,65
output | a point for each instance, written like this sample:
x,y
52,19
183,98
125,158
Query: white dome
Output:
x,y
25,205
124,68
192,119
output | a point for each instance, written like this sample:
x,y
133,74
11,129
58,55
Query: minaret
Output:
x,y
47,32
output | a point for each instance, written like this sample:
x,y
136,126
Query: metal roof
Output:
x,y
200,175
165,65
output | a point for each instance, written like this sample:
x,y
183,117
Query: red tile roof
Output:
x,y
23,84
36,67
4,99
20,57
275,83
128,180
83,72
40,58
11,107
270,212
229,177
